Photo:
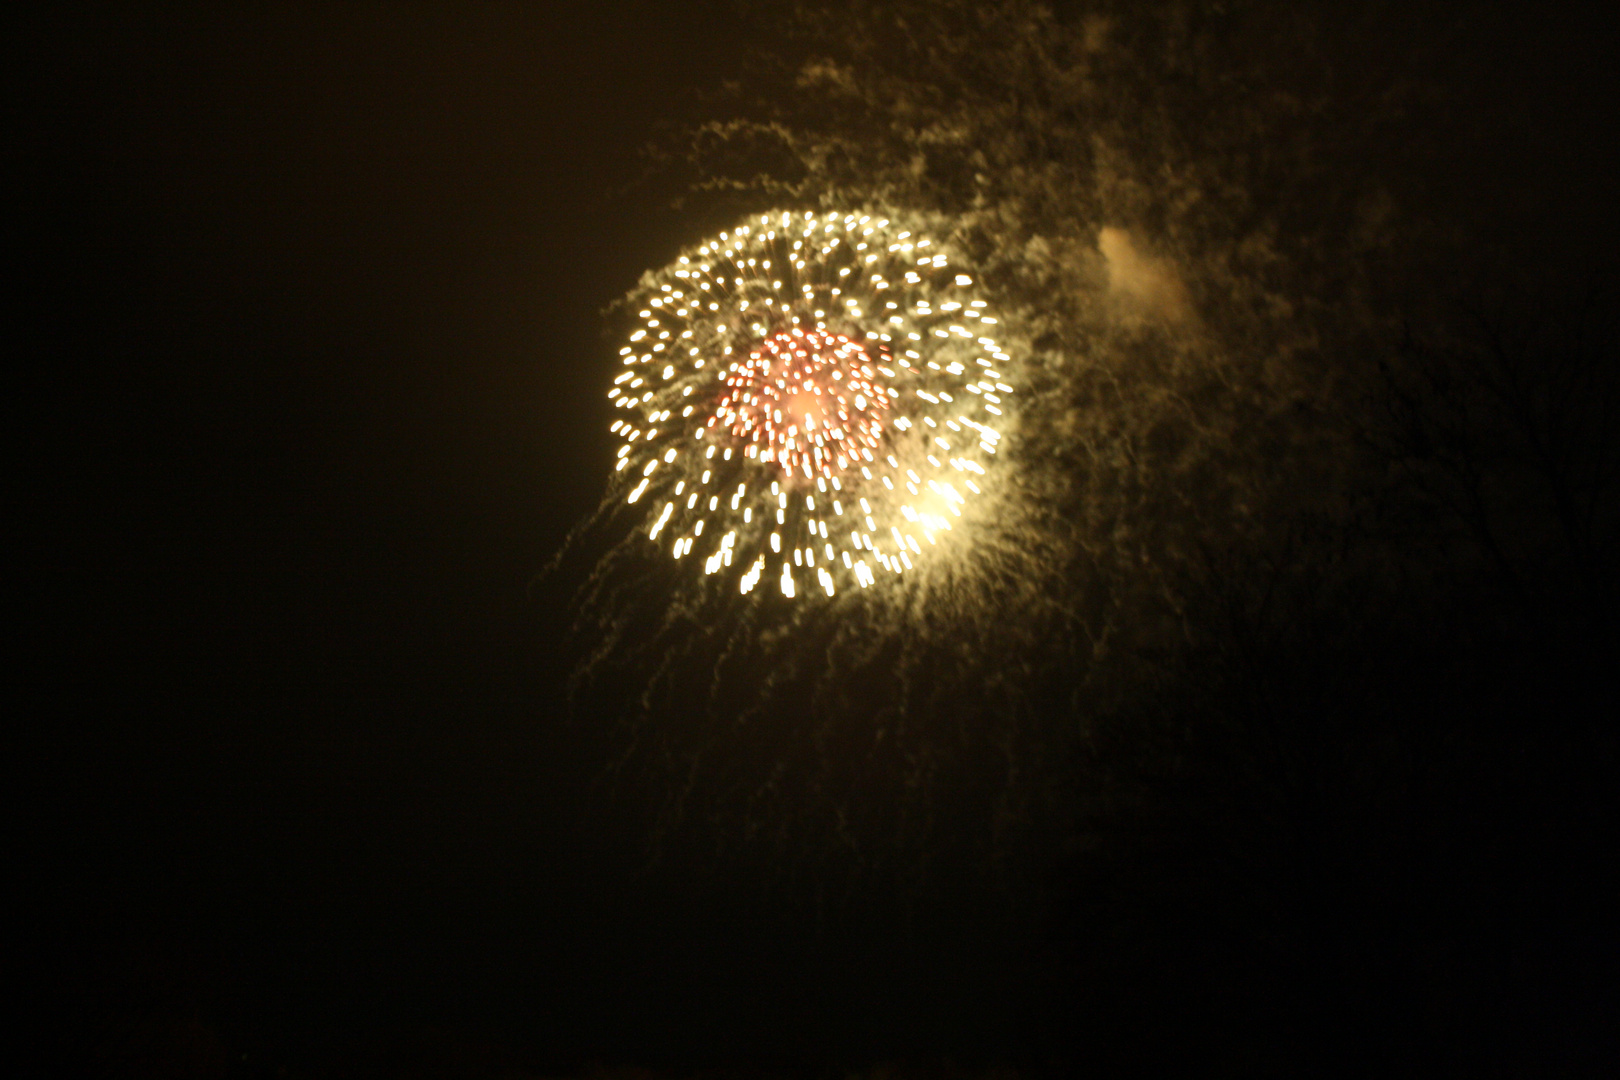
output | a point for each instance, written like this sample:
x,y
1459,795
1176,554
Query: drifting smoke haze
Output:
x,y
1218,248
1146,288
1131,190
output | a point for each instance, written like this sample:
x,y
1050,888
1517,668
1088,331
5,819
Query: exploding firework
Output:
x,y
810,398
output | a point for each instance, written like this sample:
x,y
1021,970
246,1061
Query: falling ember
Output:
x,y
810,398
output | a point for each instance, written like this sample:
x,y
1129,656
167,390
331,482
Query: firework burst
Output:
x,y
813,399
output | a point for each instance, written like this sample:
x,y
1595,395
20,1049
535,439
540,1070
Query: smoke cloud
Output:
x,y
1142,285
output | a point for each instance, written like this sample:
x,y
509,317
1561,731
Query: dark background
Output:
x,y
309,301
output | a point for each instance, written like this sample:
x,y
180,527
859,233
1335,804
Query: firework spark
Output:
x,y
813,398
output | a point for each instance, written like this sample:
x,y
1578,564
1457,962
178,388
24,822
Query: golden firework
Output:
x,y
813,397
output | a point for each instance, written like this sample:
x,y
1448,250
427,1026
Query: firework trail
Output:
x,y
812,400
821,560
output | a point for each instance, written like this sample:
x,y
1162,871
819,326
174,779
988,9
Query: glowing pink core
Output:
x,y
807,400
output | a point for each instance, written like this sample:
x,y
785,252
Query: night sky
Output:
x,y
314,395
311,301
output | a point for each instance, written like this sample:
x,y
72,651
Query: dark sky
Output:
x,y
312,306
310,299
328,284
